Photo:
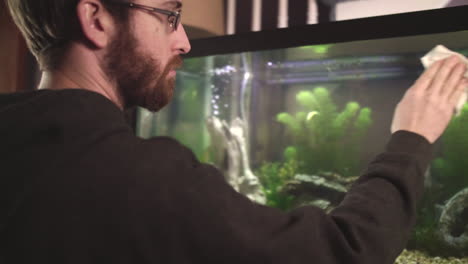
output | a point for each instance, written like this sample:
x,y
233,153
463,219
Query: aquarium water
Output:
x,y
296,126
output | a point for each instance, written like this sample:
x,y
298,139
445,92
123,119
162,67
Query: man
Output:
x,y
78,187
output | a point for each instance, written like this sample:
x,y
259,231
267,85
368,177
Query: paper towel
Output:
x,y
439,53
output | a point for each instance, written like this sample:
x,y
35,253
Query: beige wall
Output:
x,y
369,8
10,46
207,15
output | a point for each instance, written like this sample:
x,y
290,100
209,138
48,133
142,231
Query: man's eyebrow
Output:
x,y
173,4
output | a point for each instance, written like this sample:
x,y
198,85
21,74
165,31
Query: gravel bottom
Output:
x,y
417,257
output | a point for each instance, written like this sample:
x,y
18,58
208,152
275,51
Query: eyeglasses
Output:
x,y
172,17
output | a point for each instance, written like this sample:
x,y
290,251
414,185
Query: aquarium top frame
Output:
x,y
406,24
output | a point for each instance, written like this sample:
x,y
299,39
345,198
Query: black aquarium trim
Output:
x,y
406,24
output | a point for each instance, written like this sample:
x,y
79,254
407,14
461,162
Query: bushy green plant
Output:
x,y
425,237
273,177
325,139
451,169
450,176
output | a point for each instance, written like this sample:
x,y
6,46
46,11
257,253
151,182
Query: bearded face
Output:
x,y
140,79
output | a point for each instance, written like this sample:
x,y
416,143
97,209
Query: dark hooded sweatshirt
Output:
x,y
77,186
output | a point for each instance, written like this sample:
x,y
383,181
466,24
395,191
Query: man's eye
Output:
x,y
171,20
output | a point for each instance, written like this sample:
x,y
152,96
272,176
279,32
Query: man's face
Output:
x,y
143,57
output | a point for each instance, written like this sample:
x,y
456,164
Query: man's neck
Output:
x,y
80,70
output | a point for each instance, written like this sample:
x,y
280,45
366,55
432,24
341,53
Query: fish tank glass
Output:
x,y
296,125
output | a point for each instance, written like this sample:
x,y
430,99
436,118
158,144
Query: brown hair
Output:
x,y
49,25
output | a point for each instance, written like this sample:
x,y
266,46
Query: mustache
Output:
x,y
175,63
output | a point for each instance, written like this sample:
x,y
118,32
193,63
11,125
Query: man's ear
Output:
x,y
96,23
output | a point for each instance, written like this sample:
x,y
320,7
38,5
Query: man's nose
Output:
x,y
183,43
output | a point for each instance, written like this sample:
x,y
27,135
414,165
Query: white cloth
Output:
x,y
439,53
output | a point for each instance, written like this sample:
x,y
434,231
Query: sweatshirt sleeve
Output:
x,y
205,221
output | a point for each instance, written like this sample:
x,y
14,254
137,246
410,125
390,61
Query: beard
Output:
x,y
140,80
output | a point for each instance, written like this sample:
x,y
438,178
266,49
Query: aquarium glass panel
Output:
x,y
297,126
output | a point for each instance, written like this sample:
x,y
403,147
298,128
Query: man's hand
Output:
x,y
428,106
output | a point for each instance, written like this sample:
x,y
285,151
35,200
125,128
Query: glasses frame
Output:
x,y
174,24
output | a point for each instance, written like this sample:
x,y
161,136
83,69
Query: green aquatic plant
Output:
x,y
424,236
451,169
449,174
273,177
324,138
426,239
319,49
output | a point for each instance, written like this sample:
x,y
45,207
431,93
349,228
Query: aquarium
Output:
x,y
296,125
